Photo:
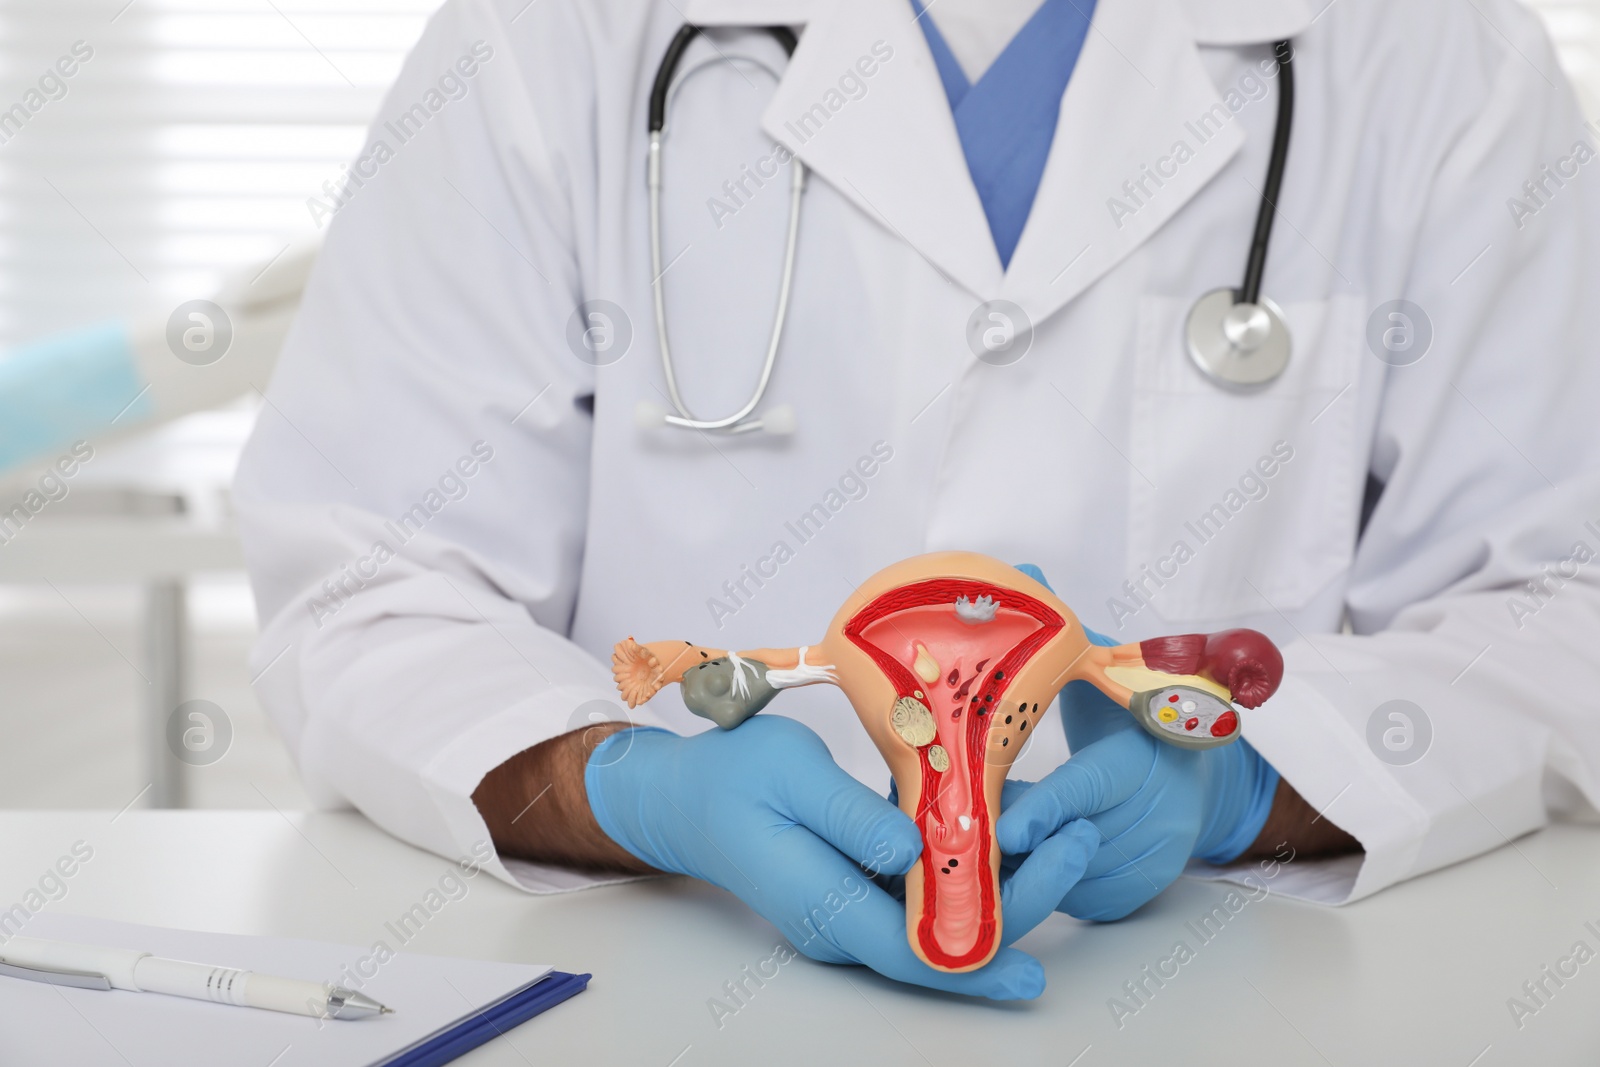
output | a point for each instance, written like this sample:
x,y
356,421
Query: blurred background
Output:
x,y
166,197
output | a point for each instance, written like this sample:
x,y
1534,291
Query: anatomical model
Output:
x,y
949,660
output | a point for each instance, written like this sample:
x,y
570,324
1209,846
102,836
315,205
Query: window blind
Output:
x,y
149,147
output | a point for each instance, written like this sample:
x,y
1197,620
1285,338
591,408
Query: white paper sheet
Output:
x,y
49,1025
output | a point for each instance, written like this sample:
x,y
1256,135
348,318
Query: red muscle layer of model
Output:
x,y
949,660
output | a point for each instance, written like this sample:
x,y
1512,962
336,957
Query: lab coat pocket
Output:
x,y
1242,502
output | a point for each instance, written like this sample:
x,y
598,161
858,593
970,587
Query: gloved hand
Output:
x,y
764,812
1155,805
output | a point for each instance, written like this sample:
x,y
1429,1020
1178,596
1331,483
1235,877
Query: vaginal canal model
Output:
x,y
949,659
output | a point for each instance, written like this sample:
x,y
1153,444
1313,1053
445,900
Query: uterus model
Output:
x,y
950,660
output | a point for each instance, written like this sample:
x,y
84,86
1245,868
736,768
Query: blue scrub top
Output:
x,y
1007,120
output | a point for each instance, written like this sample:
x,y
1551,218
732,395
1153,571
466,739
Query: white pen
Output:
x,y
92,967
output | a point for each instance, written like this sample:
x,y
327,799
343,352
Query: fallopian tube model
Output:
x,y
949,660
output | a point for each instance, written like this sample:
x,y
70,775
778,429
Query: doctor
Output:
x,y
452,509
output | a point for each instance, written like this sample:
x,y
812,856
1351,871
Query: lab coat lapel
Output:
x,y
892,149
1138,92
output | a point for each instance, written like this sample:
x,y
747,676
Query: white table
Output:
x,y
159,553
151,511
1417,975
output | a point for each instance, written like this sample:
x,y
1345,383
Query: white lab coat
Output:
x,y
437,322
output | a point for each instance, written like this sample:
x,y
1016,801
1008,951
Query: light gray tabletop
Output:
x,y
1420,974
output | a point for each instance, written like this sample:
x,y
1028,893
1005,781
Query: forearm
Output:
x,y
536,806
1295,822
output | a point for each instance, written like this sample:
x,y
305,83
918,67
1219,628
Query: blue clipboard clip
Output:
x,y
491,1022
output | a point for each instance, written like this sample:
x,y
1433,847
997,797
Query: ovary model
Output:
x,y
949,660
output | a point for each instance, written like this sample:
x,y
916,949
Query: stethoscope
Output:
x,y
779,420
1236,337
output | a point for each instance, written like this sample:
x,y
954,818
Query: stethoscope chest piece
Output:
x,y
1240,346
1237,337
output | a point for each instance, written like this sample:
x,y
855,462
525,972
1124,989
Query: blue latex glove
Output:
x,y
1155,805
764,812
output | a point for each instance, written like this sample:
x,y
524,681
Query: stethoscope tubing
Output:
x,y
1256,262
659,97
1249,293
